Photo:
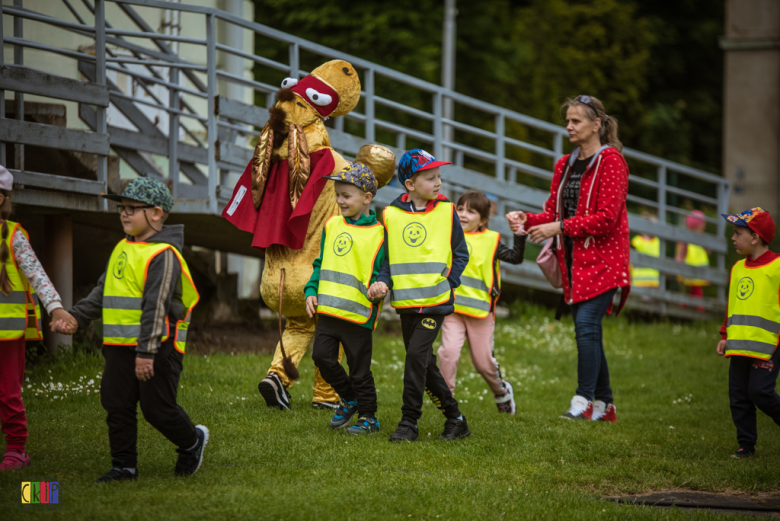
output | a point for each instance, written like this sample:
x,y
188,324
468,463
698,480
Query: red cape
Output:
x,y
276,222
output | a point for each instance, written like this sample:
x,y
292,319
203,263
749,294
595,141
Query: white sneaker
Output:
x,y
581,409
506,403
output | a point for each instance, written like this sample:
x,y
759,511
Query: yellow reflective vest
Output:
x,y
696,256
420,254
20,311
646,277
348,257
123,292
473,297
753,322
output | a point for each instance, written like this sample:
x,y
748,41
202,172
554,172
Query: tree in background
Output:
x,y
656,65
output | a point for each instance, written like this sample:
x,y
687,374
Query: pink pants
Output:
x,y
12,414
479,331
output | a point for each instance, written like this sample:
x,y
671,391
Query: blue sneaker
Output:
x,y
343,415
364,425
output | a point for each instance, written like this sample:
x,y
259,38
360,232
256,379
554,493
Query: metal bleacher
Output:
x,y
205,133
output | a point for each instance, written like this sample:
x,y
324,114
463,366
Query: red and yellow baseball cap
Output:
x,y
757,219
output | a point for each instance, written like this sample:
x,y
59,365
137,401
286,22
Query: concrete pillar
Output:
x,y
751,115
58,263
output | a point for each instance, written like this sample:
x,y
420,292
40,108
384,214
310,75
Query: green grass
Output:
x,y
675,430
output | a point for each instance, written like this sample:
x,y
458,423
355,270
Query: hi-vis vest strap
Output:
x,y
124,290
420,255
473,296
753,322
20,311
348,257
696,256
646,277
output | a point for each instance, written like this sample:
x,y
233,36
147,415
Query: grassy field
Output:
x,y
675,431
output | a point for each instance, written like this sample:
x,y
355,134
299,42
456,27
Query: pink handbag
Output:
x,y
548,263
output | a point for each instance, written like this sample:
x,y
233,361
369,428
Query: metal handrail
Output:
x,y
489,146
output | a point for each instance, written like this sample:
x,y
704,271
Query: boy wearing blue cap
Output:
x,y
145,299
351,255
749,335
426,255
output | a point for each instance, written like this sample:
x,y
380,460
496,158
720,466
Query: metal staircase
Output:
x,y
167,97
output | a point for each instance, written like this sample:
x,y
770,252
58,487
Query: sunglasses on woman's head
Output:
x,y
587,100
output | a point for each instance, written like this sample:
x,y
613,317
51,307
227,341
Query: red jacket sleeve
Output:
x,y
612,191
548,211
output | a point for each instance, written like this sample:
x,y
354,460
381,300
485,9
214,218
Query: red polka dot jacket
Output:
x,y
601,251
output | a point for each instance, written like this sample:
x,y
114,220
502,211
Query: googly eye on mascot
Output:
x,y
290,203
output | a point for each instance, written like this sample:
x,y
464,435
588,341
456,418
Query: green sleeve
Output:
x,y
313,286
380,259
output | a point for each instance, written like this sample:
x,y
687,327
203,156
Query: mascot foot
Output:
x,y
274,393
328,406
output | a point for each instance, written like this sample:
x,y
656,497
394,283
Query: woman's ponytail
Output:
x,y
5,212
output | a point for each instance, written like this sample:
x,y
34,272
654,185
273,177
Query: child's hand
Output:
x,y
721,349
63,322
144,368
311,305
377,291
517,222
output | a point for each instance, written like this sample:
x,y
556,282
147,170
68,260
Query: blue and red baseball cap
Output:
x,y
757,219
416,160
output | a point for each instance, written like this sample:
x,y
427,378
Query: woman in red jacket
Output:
x,y
586,217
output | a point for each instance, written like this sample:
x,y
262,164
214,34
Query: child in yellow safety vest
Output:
x,y
475,300
145,299
650,245
22,282
694,255
351,254
750,332
426,255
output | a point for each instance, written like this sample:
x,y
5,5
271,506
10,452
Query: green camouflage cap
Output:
x,y
356,174
146,190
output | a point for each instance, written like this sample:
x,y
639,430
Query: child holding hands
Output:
x,y
145,299
426,254
351,254
22,282
475,299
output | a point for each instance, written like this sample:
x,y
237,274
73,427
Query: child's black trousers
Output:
x,y
121,391
752,384
421,374
358,346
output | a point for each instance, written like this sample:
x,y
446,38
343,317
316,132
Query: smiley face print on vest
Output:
x,y
343,244
414,234
120,265
745,288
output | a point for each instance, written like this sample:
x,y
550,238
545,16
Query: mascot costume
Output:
x,y
289,205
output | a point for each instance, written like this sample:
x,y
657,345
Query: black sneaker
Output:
x,y
455,429
743,452
325,406
406,431
364,425
343,415
118,474
274,393
189,460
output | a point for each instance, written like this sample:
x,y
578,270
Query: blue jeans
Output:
x,y
592,370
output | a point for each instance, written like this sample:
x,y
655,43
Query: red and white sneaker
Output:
x,y
506,403
581,409
603,412
15,460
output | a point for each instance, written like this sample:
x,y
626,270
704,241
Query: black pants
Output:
x,y
120,392
752,384
420,370
358,346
